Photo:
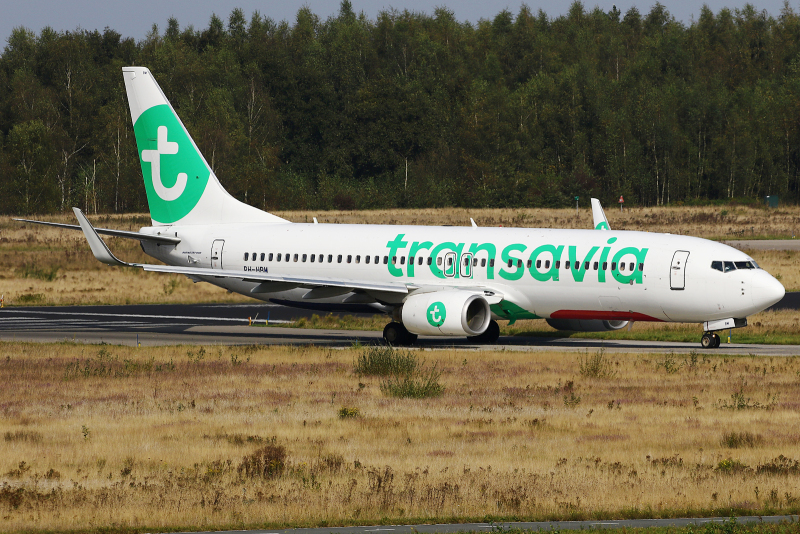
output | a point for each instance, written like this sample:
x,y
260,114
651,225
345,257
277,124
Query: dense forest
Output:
x,y
418,110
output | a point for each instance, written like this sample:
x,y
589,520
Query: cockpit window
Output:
x,y
716,265
729,266
744,265
755,264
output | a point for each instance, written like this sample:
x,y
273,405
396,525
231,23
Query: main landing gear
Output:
x,y
710,340
396,335
490,336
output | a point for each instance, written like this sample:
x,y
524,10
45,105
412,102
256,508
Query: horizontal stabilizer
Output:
x,y
163,240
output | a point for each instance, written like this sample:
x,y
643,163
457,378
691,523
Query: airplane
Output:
x,y
433,281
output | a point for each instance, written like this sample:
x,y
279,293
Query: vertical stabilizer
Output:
x,y
599,216
181,187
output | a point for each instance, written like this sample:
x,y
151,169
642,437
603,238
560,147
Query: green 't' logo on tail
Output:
x,y
175,174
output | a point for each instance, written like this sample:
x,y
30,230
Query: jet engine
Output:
x,y
586,325
449,313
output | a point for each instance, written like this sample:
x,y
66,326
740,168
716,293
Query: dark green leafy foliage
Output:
x,y
413,110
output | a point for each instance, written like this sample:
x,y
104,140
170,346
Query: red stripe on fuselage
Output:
x,y
603,315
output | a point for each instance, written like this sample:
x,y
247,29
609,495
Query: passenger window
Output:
x,y
439,261
566,264
474,262
491,262
605,265
263,256
305,257
596,265
339,258
716,265
528,265
558,264
411,260
246,255
538,264
633,266
330,258
270,256
286,257
641,267
547,264
402,260
510,263
279,257
449,261
729,266
394,260
483,262
349,258
313,257
358,259
430,260
519,264
586,266
377,260
386,260
419,260
295,257
366,259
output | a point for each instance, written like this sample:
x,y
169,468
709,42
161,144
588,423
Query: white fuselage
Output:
x,y
631,275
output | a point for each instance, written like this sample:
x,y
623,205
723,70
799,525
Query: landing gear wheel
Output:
x,y
717,340
490,336
709,341
396,335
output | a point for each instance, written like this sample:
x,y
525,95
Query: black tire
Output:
x,y
717,341
707,341
490,336
396,335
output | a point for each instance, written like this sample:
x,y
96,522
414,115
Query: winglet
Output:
x,y
99,248
599,216
473,222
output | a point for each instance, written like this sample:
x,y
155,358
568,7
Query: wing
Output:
x,y
267,282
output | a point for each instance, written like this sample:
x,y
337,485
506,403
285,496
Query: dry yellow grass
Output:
x,y
154,437
80,279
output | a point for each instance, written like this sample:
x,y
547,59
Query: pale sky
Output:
x,y
134,18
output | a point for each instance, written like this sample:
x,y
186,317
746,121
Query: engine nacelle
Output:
x,y
446,313
586,325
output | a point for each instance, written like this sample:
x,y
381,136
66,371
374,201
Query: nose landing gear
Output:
x,y
710,340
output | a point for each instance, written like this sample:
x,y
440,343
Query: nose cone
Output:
x,y
766,290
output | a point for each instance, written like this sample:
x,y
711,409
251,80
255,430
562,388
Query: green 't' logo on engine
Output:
x,y
436,314
175,174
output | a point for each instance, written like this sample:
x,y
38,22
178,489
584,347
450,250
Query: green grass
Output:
x,y
422,384
385,361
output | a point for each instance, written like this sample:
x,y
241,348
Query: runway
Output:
x,y
209,324
553,526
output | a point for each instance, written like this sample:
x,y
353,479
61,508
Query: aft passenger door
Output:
x,y
216,253
677,273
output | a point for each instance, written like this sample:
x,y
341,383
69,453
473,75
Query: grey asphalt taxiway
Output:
x,y
231,325
532,526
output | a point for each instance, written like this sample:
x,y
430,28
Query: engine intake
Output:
x,y
448,313
586,325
